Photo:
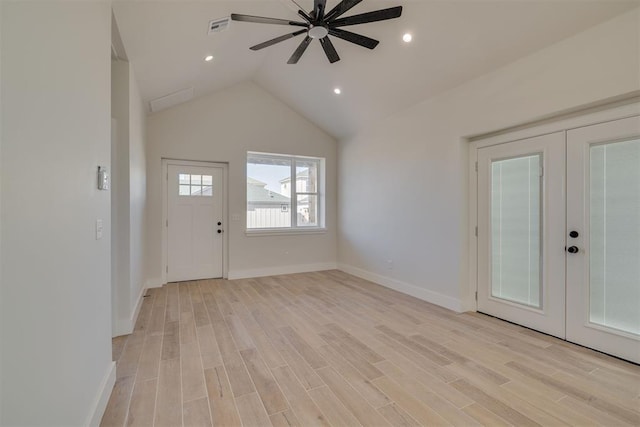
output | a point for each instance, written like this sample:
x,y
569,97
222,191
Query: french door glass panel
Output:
x,y
614,235
515,229
521,232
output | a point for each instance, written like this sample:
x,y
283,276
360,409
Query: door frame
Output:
x,y
165,210
564,122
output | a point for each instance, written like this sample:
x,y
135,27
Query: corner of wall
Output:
x,y
102,398
432,297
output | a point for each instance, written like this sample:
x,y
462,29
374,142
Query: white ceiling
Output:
x,y
454,41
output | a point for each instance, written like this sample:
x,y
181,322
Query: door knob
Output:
x,y
219,231
573,249
219,223
574,234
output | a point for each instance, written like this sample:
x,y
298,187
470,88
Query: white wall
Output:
x,y
1,308
137,192
416,161
55,275
128,197
120,254
222,127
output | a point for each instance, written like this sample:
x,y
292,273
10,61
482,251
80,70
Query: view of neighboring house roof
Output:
x,y
257,193
301,174
252,181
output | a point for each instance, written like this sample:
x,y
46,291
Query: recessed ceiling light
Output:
x,y
208,58
407,38
337,91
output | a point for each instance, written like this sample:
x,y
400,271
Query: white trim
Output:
x,y
276,271
562,123
285,231
102,398
136,311
156,282
225,211
470,300
126,327
406,288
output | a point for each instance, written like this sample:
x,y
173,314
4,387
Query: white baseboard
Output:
x,y
156,282
275,271
101,400
406,288
125,326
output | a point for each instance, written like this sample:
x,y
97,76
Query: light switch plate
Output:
x,y
98,229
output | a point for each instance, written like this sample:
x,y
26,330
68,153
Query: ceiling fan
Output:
x,y
319,25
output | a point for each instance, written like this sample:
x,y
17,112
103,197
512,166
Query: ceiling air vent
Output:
x,y
218,25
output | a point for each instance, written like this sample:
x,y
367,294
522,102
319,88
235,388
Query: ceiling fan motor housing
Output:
x,y
318,31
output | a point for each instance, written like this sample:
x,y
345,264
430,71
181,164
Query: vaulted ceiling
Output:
x,y
453,41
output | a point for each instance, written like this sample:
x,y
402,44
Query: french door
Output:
x,y
559,235
195,196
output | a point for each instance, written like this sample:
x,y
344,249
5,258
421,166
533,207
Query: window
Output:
x,y
284,192
195,185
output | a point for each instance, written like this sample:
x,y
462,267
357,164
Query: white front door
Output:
x,y
521,221
567,264
603,220
194,222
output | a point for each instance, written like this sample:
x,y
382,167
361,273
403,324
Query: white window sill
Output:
x,y
285,232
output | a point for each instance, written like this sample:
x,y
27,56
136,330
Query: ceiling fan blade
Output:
x,y
341,8
277,40
363,18
329,50
299,51
318,9
264,20
304,15
358,39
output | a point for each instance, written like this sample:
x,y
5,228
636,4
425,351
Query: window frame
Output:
x,y
294,228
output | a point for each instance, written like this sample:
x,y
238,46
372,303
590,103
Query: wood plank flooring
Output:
x,y
328,349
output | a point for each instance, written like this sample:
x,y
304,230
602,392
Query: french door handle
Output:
x,y
573,249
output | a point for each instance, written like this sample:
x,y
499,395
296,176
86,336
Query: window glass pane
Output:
x,y
207,180
307,211
268,193
196,179
614,235
183,178
515,230
207,190
184,190
306,176
196,190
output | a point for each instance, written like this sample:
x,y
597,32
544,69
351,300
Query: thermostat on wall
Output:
x,y
103,179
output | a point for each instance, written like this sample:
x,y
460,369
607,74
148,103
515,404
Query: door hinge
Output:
x,y
476,295
167,223
167,269
541,171
167,176
476,231
476,166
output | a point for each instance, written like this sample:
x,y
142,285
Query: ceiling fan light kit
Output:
x,y
320,25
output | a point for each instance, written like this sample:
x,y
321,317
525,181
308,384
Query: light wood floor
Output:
x,y
331,349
